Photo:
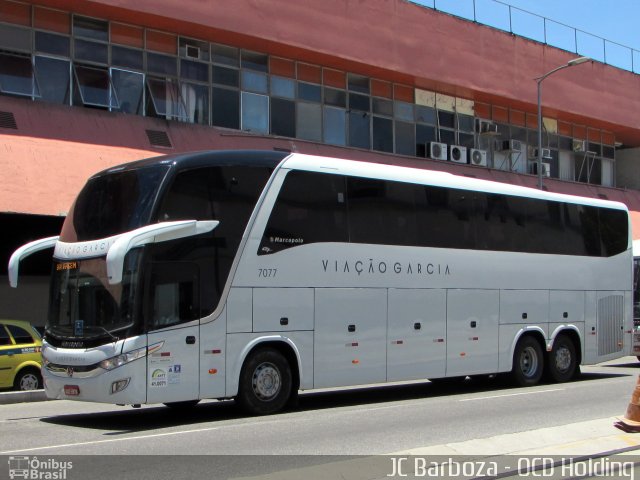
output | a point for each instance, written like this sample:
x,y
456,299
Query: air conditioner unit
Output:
x,y
579,145
486,127
546,153
438,151
458,154
512,145
192,52
546,169
478,157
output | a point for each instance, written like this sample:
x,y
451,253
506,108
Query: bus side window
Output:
x,y
173,294
310,208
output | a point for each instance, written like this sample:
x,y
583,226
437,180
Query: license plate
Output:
x,y
72,390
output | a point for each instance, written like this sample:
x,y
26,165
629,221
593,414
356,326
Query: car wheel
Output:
x,y
28,379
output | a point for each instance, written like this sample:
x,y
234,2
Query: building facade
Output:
x,y
86,85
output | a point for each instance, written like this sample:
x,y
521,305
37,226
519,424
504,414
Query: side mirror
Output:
x,y
23,252
156,233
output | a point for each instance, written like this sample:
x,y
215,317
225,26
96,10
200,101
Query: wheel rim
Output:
x,y
29,382
563,359
266,381
529,362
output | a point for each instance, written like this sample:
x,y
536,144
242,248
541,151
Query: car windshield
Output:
x,y
83,305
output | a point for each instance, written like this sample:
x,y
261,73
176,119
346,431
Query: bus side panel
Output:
x,y
472,331
416,346
213,350
527,307
590,354
608,320
350,336
282,309
240,310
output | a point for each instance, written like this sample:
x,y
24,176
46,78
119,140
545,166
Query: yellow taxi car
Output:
x,y
20,355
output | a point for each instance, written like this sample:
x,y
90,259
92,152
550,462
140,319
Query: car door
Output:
x,y
7,362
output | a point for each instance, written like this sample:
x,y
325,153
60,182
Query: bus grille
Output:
x,y
610,324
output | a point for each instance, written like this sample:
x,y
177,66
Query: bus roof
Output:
x,y
260,158
315,163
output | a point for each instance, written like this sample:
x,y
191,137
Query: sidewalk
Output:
x,y
576,443
20,397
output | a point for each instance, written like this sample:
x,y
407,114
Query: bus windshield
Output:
x,y
84,306
113,203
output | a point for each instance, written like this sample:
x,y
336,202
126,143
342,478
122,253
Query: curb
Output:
x,y
20,397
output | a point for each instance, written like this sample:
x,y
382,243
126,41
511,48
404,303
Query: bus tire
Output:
x,y
28,379
528,362
562,361
265,383
184,405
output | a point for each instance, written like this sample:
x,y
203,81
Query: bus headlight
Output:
x,y
119,360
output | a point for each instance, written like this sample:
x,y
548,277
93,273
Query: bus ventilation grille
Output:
x,y
158,138
7,120
610,323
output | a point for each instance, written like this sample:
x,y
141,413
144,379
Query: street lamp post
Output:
x,y
570,63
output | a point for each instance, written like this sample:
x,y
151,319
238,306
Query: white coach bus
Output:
x,y
253,275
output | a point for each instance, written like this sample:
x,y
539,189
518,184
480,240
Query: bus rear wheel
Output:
x,y
562,360
265,383
528,362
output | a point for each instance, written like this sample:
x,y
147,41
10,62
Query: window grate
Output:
x,y
7,120
159,138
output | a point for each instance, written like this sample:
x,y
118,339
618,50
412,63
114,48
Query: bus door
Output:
x,y
173,310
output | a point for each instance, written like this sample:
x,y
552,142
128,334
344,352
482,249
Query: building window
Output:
x,y
94,87
359,130
164,99
255,113
15,38
309,121
16,76
383,134
93,52
52,44
90,28
254,82
129,88
53,76
283,117
405,138
283,87
225,108
196,100
335,126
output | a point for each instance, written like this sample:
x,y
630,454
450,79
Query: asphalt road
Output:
x,y
361,421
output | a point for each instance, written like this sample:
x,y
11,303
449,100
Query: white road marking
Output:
x,y
111,440
508,395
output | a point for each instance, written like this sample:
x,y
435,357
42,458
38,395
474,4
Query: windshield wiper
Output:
x,y
113,337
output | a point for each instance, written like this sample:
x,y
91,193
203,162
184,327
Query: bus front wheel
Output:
x,y
562,360
528,362
265,383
